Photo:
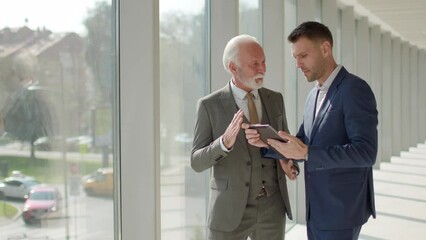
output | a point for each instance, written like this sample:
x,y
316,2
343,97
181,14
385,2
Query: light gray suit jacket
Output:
x,y
228,170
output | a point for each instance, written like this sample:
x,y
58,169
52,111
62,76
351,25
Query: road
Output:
x,y
88,218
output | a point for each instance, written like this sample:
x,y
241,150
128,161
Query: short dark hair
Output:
x,y
314,31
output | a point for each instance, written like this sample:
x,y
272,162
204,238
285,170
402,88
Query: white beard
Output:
x,y
252,84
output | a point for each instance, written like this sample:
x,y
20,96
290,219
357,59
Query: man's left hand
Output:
x,y
293,149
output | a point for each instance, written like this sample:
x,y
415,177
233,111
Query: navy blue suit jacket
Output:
x,y
342,150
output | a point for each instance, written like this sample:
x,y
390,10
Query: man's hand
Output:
x,y
234,127
287,165
253,136
293,149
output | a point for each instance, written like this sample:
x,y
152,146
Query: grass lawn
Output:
x,y
7,210
46,170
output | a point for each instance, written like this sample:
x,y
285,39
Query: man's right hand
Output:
x,y
253,136
233,129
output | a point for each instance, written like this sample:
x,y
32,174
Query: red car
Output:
x,y
43,202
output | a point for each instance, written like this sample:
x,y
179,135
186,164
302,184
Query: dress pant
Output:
x,y
263,219
339,234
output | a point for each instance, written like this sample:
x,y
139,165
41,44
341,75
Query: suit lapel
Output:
x,y
328,100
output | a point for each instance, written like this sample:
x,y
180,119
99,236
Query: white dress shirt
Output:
x,y
242,103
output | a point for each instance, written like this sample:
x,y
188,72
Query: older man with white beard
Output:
x,y
248,192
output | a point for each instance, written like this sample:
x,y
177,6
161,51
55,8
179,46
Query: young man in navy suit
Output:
x,y
337,139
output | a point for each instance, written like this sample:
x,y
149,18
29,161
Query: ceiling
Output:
x,y
406,17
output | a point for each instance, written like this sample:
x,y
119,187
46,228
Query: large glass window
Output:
x,y
183,80
57,85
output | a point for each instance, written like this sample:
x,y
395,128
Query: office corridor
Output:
x,y
400,187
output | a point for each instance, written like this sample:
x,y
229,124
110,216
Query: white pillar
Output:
x,y
139,53
290,70
414,96
376,81
273,43
422,97
396,96
405,96
386,99
305,12
348,36
363,49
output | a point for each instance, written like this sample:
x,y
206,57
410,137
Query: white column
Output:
x,y
405,96
290,70
386,89
329,18
305,12
362,49
223,26
273,43
375,80
138,155
396,96
422,97
414,97
348,36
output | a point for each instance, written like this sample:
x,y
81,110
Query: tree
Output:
x,y
28,117
100,56
100,53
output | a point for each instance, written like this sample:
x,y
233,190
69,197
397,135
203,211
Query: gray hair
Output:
x,y
232,47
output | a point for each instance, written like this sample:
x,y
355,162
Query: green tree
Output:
x,y
100,56
28,117
26,112
100,52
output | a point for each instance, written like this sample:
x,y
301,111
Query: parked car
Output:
x,y
98,183
17,187
44,202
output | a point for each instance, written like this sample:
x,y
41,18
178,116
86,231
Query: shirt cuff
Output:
x,y
222,145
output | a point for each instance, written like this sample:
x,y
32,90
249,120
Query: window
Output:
x,y
183,80
57,92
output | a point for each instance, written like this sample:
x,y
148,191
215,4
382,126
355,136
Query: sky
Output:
x,y
55,15
68,15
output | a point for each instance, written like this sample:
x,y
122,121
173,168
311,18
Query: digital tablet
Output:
x,y
266,131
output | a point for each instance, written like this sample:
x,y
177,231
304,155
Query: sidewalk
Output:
x,y
6,220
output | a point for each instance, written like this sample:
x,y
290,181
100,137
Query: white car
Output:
x,y
17,187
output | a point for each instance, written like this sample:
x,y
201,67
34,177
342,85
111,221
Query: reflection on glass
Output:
x,y
56,96
183,61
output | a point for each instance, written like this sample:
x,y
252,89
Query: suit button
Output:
x,y
263,181
263,165
248,163
247,184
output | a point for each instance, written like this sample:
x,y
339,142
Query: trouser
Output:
x,y
263,219
338,234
